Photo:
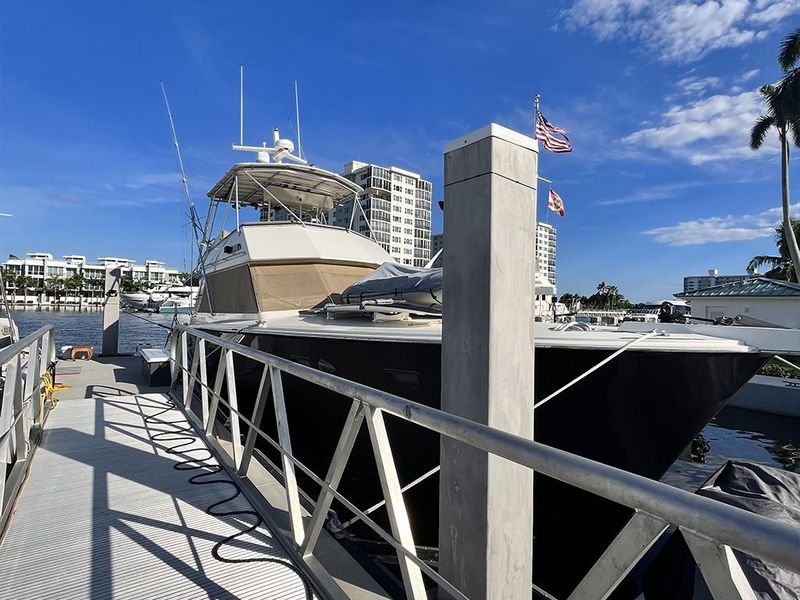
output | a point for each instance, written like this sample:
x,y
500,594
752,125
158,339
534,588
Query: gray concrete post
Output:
x,y
111,311
486,503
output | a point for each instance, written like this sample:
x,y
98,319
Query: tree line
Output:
x,y
607,297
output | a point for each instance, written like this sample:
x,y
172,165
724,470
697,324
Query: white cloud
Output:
x,y
730,228
652,193
697,85
679,30
711,129
747,76
769,12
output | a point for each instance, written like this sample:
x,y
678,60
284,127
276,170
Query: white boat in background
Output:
x,y
172,297
135,300
183,306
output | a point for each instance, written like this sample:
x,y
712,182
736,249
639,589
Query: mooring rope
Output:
x,y
183,433
588,372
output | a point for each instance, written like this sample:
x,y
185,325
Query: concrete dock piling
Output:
x,y
111,311
486,503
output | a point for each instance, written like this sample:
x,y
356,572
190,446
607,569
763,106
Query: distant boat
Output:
x,y
183,306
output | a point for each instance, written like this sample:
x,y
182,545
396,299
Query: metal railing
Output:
x,y
710,527
22,413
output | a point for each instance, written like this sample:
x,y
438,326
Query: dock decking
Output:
x,y
104,514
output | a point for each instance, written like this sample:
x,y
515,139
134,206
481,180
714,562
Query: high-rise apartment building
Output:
x,y
437,242
693,283
398,205
546,251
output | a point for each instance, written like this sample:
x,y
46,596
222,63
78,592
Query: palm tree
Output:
x,y
75,283
782,267
783,113
56,284
10,283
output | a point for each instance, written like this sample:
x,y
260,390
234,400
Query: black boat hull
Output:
x,y
636,413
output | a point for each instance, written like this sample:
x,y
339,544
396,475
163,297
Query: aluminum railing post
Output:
x,y
188,373
395,504
347,439
289,477
485,502
21,433
720,568
174,358
233,413
32,383
218,379
631,543
258,410
201,352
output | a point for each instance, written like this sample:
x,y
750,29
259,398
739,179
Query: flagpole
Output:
x,y
538,154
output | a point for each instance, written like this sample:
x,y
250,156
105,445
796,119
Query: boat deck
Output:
x,y
104,514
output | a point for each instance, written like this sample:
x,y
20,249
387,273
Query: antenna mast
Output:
x,y
297,113
192,211
241,105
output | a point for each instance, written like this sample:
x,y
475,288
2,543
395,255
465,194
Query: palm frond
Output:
x,y
795,127
759,131
780,239
760,261
790,50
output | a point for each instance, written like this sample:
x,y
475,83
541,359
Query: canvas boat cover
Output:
x,y
416,285
766,491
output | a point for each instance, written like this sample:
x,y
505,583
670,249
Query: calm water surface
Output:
x,y
734,433
76,327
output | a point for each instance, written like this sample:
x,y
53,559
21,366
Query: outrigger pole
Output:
x,y
192,210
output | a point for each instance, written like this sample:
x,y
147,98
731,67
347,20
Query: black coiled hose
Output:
x,y
184,434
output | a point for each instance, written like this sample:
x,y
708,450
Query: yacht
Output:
x,y
333,299
164,298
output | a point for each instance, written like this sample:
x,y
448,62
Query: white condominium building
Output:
x,y
398,205
41,266
546,251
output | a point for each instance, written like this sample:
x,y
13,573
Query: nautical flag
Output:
x,y
553,138
555,203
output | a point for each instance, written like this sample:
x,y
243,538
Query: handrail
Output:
x,y
9,352
19,409
775,542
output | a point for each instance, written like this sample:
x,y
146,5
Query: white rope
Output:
x,y
375,507
597,366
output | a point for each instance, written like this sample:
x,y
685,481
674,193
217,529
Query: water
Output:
x,y
86,327
734,433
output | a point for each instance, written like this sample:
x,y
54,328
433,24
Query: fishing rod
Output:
x,y
195,219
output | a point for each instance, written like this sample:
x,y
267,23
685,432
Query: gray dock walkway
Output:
x,y
104,514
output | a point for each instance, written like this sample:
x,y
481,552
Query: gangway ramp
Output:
x,y
105,514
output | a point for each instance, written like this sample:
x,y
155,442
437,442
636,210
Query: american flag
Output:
x,y
553,138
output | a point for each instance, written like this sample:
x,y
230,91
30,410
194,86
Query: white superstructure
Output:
x,y
398,205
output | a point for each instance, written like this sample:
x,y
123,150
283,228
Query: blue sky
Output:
x,y
658,98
